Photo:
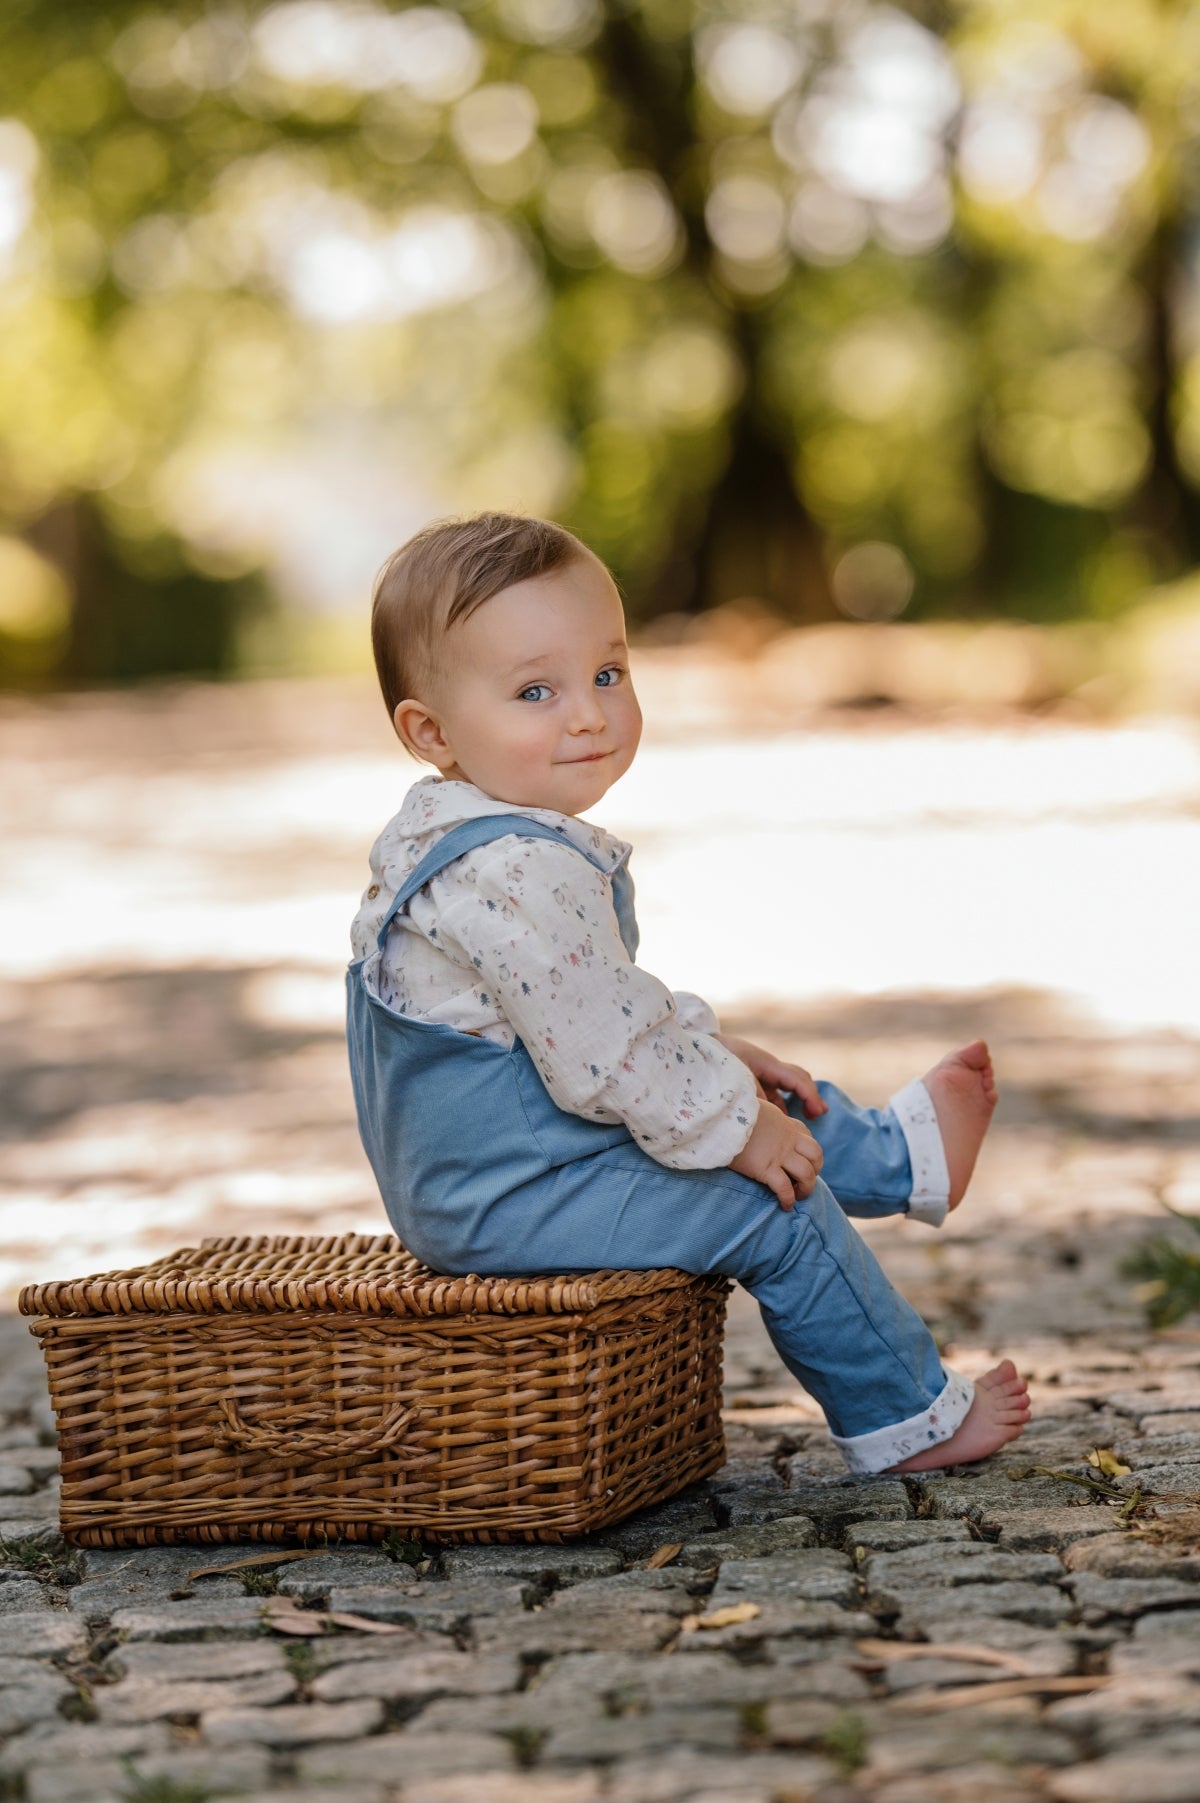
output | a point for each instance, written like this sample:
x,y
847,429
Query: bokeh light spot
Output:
x,y
745,218
496,123
632,220
873,581
748,68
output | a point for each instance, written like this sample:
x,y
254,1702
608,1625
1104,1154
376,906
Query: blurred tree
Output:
x,y
829,303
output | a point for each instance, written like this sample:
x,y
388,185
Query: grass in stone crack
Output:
x,y
622,1699
1133,1504
64,1568
301,1660
260,1583
80,1707
401,1551
845,1742
753,1719
162,1790
1098,1486
526,1744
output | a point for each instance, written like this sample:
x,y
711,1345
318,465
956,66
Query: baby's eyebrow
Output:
x,y
528,663
545,657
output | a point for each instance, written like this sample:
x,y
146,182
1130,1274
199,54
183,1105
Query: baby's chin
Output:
x,y
571,792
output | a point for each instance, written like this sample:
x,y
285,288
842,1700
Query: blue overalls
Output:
x,y
480,1171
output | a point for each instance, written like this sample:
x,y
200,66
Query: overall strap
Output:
x,y
470,834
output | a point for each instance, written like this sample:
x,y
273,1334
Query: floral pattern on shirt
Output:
x,y
519,938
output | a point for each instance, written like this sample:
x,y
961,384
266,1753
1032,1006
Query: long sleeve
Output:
x,y
536,921
694,1012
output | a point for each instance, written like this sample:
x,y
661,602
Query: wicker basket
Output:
x,y
313,1389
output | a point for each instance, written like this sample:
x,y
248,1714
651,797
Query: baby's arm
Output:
x,y
693,1012
537,924
775,1077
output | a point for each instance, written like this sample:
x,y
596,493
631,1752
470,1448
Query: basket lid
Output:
x,y
349,1273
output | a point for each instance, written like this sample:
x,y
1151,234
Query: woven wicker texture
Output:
x,y
353,1273
311,1389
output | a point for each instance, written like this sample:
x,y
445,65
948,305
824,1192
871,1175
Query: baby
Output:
x,y
532,1100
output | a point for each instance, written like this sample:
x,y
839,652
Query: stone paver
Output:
x,y
999,1634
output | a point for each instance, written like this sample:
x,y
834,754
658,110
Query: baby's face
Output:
x,y
538,707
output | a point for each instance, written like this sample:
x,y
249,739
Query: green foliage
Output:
x,y
753,1718
301,1660
677,273
402,1551
845,1741
64,1567
1169,1275
163,1790
79,1707
260,1583
526,1744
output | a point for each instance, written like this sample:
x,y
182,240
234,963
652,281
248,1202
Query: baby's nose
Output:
x,y
587,715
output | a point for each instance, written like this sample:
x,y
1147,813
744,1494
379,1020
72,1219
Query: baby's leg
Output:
x,y
997,1414
962,1087
917,1154
838,1324
881,1161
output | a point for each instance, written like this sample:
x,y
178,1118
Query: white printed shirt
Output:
x,y
519,938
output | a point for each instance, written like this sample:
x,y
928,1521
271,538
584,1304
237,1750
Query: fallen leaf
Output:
x,y
1107,1463
216,1571
341,1619
283,1613
891,1650
973,1694
297,1622
724,1618
663,1555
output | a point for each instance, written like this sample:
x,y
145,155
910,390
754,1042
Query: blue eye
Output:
x,y
533,690
613,674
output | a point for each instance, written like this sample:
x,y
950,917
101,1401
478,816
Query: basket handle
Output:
x,y
291,1445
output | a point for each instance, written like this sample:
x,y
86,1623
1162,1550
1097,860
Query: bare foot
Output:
x,y
998,1414
962,1088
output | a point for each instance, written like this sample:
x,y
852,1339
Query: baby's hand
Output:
x,y
782,1153
774,1076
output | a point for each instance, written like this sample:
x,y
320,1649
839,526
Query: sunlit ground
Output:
x,y
180,871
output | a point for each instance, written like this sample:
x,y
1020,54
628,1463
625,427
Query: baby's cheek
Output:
x,y
534,743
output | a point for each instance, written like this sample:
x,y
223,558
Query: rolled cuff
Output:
x,y
913,1108
887,1446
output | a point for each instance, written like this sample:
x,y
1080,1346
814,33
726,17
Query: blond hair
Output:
x,y
440,576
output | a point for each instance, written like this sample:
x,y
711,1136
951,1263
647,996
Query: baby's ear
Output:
x,y
420,732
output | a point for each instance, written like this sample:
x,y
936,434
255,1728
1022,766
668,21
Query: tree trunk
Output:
x,y
1167,505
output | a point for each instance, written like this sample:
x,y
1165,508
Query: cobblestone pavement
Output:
x,y
1023,1629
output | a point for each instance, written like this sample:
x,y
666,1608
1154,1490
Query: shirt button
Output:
x,y
373,891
